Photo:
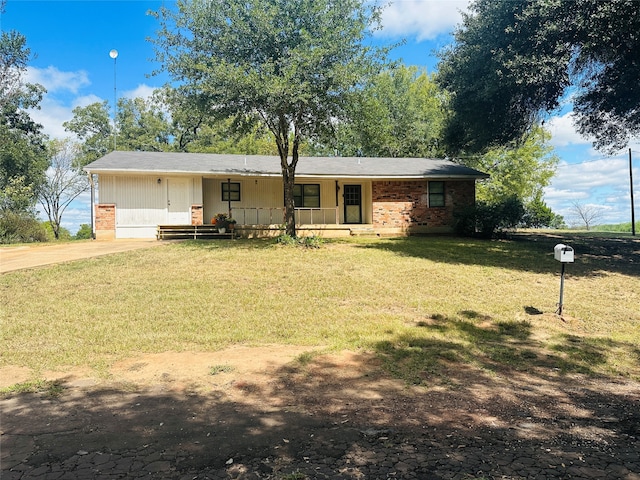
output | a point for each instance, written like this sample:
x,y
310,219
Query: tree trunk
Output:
x,y
281,133
288,178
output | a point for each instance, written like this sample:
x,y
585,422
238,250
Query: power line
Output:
x,y
589,161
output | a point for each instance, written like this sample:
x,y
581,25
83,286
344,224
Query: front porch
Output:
x,y
210,231
258,222
255,222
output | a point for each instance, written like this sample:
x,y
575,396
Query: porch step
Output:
x,y
182,232
363,231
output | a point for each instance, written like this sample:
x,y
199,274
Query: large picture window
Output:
x,y
436,194
231,192
306,196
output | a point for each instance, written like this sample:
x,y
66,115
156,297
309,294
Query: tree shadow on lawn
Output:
x,y
496,346
330,418
527,252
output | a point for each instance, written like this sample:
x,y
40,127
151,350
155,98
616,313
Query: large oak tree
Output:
x,y
514,60
289,64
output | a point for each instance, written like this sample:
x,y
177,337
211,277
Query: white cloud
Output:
x,y
563,132
606,172
86,100
603,183
51,115
141,91
55,80
423,19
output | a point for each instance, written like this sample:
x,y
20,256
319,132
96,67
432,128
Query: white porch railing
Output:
x,y
275,216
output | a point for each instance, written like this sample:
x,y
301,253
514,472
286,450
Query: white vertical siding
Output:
x,y
141,201
254,193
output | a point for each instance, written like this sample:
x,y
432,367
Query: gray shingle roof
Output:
x,y
261,165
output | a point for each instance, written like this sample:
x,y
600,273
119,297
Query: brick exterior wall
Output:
x,y
197,215
105,221
106,217
405,204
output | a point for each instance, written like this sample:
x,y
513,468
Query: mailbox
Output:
x,y
563,253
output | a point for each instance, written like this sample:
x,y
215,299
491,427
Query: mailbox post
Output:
x,y
563,254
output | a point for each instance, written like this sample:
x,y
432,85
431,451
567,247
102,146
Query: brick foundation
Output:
x,y
405,204
197,215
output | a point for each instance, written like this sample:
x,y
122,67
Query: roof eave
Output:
x,y
107,171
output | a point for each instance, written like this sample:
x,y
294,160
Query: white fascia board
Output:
x,y
279,175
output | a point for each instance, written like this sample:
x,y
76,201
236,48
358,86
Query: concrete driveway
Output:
x,y
30,256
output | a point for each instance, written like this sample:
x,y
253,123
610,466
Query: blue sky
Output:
x,y
71,41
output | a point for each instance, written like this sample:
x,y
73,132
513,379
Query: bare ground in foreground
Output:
x,y
259,413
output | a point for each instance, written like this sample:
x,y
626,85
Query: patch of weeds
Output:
x,y
48,387
222,368
311,241
306,358
286,239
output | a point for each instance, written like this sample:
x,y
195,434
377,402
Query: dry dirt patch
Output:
x,y
175,371
262,408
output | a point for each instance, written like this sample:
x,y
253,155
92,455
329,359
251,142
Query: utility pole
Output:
x,y
633,215
114,54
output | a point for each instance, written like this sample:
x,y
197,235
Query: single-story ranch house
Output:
x,y
140,191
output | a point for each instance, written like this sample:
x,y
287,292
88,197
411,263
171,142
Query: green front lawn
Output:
x,y
423,304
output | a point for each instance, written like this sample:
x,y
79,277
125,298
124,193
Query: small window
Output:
x,y
230,192
306,196
436,194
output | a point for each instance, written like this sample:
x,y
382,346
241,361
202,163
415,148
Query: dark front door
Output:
x,y
352,204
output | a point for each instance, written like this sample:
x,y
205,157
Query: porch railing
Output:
x,y
275,216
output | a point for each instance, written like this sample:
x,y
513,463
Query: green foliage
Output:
x,y
143,125
399,114
17,196
620,227
487,220
286,239
22,152
92,126
20,227
310,241
51,388
537,214
514,59
60,233
221,368
516,170
288,64
84,232
221,137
